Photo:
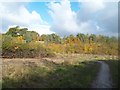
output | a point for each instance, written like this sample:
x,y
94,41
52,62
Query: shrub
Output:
x,y
13,49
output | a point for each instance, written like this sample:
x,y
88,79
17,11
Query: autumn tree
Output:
x,y
51,38
23,33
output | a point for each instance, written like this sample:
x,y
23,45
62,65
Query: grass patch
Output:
x,y
61,76
30,77
80,76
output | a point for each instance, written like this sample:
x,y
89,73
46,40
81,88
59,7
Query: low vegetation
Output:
x,y
51,61
47,74
19,42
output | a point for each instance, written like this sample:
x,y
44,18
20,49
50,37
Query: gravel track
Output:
x,y
103,79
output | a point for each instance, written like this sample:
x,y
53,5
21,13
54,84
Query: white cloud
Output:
x,y
16,14
93,6
96,17
17,0
64,19
41,29
103,14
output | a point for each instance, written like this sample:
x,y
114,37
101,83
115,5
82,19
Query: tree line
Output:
x,y
20,42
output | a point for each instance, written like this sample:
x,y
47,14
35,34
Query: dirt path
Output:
x,y
103,79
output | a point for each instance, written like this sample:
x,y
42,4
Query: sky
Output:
x,y
63,18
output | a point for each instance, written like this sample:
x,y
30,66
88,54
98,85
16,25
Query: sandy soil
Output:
x,y
103,79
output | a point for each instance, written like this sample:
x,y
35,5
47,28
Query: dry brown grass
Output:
x,y
18,67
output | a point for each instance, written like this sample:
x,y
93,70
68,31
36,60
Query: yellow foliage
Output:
x,y
85,49
90,49
58,48
20,38
16,47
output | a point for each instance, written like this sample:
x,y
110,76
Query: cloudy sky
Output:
x,y
63,18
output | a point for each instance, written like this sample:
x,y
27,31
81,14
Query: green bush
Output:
x,y
13,49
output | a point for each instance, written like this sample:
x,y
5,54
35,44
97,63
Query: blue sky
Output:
x,y
42,9
63,18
